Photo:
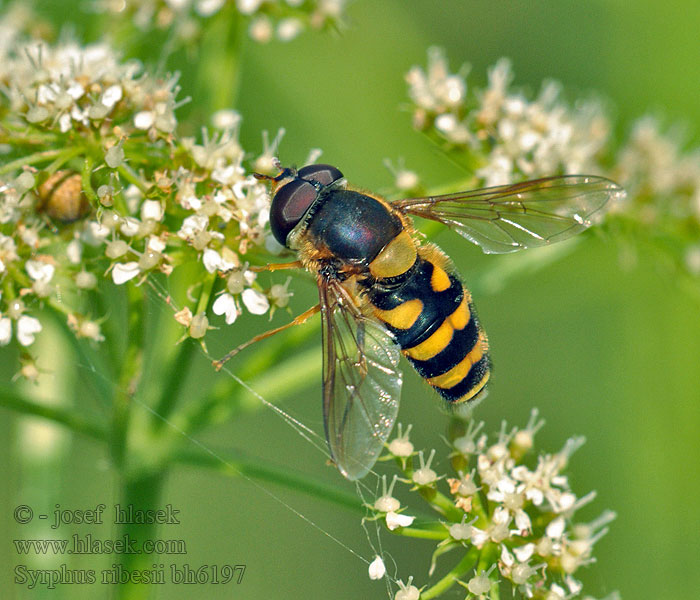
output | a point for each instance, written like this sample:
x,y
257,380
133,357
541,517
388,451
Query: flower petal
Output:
x,y
256,302
122,272
27,327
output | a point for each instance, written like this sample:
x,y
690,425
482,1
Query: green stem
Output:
x,y
441,503
461,568
129,371
429,531
174,379
130,175
269,473
220,62
64,158
31,159
205,295
141,493
87,183
21,403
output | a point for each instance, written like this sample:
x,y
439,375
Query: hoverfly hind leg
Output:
x,y
303,317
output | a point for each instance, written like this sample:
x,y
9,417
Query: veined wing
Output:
x,y
361,382
508,218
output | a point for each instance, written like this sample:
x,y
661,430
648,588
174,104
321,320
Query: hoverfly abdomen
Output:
x,y
433,320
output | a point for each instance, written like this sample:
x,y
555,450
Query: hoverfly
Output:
x,y
383,293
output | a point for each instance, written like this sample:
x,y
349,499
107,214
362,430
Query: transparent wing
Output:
x,y
508,218
361,382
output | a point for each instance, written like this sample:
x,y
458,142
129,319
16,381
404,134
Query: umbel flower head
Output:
x,y
283,20
510,516
95,181
502,134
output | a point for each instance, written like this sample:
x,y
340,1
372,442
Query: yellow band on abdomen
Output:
x,y
460,370
437,342
403,316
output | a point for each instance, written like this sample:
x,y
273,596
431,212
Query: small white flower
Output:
x,y
260,29
5,330
226,119
184,316
85,280
144,120
225,305
193,225
248,7
556,592
64,122
462,531
288,29
522,521
116,248
74,251
207,8
213,261
479,537
95,233
467,443
386,502
114,157
39,270
155,244
256,302
555,529
199,326
574,585
27,328
401,446
479,584
111,95
90,330
152,209
129,226
425,475
523,553
395,520
407,591
123,272
280,294
377,570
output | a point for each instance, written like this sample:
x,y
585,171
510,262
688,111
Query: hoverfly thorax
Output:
x,y
295,193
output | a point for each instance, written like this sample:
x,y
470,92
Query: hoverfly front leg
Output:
x,y
297,264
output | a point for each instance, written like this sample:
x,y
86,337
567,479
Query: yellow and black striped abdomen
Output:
x,y
430,313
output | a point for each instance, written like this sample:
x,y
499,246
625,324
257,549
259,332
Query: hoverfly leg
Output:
x,y
297,264
303,317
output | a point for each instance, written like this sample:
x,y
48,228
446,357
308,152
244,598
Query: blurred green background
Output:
x,y
604,351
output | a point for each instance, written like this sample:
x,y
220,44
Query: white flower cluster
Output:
x,y
663,184
67,87
135,199
269,19
652,164
521,516
515,137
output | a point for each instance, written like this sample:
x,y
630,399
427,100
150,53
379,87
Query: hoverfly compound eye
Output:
x,y
289,205
323,174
